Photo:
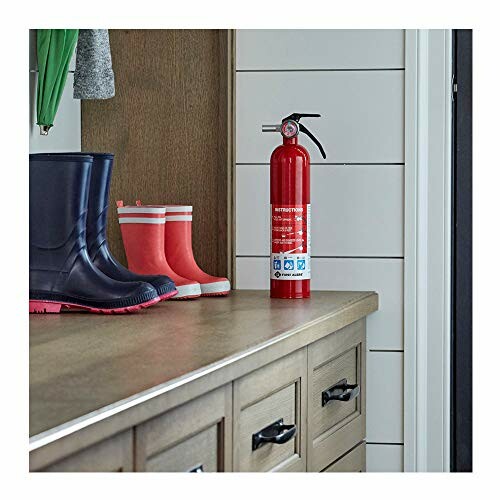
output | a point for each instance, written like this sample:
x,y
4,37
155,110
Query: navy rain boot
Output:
x,y
97,244
61,273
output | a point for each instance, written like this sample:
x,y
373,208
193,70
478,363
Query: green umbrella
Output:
x,y
54,51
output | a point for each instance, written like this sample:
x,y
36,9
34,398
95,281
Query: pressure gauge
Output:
x,y
289,129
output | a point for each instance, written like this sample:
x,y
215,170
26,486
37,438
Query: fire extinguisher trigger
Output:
x,y
302,128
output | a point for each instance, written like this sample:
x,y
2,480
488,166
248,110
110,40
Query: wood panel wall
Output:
x,y
169,126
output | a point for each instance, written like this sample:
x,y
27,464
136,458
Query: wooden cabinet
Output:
x,y
260,425
336,395
111,455
254,386
195,437
271,396
278,418
263,427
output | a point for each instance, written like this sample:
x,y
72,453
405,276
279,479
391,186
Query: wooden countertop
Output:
x,y
85,368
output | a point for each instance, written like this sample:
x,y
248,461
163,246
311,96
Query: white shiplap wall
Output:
x,y
65,135
355,79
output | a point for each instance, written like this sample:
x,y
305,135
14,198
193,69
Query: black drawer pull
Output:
x,y
277,433
341,391
198,468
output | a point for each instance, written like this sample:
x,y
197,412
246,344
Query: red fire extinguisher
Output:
x,y
291,210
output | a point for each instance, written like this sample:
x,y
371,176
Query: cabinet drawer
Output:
x,y
111,455
195,437
336,395
274,394
198,453
354,461
328,415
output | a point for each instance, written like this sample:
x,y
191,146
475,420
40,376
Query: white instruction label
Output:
x,y
290,242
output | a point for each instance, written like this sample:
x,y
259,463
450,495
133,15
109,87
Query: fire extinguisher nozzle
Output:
x,y
271,128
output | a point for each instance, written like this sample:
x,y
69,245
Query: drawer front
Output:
x,y
111,455
280,405
274,394
193,437
195,454
354,461
336,415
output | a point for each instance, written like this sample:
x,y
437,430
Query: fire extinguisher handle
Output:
x,y
302,128
297,116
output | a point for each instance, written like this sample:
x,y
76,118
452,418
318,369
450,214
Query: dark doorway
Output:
x,y
461,362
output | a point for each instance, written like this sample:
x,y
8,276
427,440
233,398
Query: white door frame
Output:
x,y
427,262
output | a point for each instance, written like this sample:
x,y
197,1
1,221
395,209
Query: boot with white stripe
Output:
x,y
143,235
179,251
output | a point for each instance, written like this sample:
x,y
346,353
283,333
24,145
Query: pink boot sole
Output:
x,y
47,306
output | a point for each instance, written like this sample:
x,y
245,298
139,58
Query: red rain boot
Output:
x,y
179,251
143,234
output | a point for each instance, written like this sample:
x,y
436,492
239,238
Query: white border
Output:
x,y
141,210
141,220
174,218
178,208
427,290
